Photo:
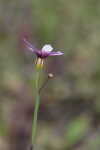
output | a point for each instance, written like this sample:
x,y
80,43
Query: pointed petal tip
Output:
x,y
28,45
56,53
60,53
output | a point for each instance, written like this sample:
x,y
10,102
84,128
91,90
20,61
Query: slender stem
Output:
x,y
50,76
44,84
37,102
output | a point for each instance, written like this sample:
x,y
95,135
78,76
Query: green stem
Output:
x,y
37,102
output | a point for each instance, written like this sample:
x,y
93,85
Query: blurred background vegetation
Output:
x,y
69,117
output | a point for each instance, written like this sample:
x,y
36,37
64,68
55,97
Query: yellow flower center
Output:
x,y
39,63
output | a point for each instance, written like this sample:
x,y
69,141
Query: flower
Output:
x,y
44,52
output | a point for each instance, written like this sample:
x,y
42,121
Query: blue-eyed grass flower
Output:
x,y
42,54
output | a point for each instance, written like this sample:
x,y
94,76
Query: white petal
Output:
x,y
47,48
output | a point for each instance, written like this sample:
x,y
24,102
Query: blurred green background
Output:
x,y
69,117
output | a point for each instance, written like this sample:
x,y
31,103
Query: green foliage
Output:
x,y
76,130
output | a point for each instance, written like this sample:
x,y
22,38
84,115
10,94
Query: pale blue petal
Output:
x,y
29,46
56,53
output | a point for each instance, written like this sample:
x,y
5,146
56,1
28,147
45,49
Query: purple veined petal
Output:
x,y
56,53
29,46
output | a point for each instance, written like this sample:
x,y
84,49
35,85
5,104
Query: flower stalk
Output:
x,y
36,108
50,76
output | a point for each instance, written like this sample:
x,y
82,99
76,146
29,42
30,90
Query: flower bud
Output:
x,y
50,75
